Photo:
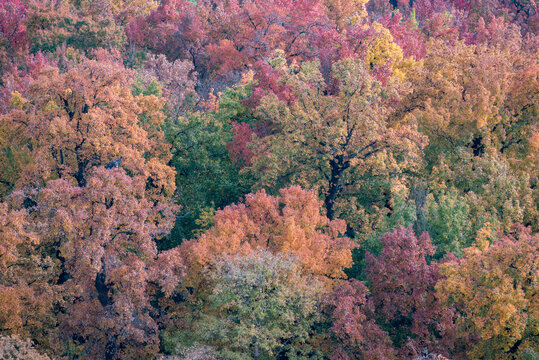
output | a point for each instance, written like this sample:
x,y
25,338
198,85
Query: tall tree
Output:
x,y
100,241
91,205
328,142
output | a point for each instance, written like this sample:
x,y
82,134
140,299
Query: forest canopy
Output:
x,y
269,179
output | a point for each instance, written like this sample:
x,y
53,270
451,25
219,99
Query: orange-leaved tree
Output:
x,y
88,117
289,223
80,239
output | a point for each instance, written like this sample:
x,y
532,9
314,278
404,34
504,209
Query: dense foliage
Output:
x,y
269,179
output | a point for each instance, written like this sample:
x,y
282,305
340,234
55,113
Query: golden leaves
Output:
x,y
383,50
494,285
18,101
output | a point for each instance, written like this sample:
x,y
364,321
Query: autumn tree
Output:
x,y
12,157
99,241
494,288
113,264
156,31
255,129
481,143
486,189
463,99
406,33
329,142
15,83
88,117
290,223
356,335
402,292
96,199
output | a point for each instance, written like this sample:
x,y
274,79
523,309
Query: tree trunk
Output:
x,y
337,165
257,355
419,194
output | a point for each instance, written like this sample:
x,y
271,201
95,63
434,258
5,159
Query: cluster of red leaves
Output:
x,y
354,327
12,26
238,148
402,286
221,37
401,297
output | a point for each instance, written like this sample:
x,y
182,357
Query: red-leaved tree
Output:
x,y
402,291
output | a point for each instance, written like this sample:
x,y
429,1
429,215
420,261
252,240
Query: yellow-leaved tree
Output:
x,y
495,289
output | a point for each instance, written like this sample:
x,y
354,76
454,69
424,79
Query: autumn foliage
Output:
x,y
494,287
269,179
290,223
